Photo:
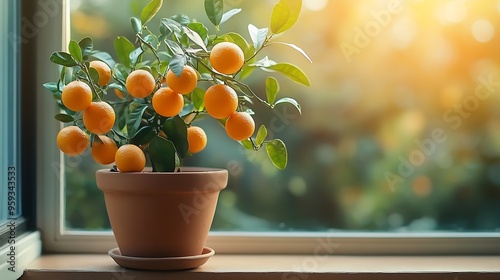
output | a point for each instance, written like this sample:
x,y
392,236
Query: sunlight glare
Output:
x,y
403,33
455,11
482,30
315,5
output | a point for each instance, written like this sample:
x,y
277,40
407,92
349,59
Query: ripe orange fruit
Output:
x,y
119,93
240,126
104,151
185,83
140,83
130,158
99,117
103,70
167,103
227,58
76,96
197,139
72,141
220,101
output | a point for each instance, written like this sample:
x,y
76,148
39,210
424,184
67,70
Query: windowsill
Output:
x,y
283,267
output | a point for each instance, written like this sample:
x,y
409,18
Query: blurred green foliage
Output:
x,y
363,155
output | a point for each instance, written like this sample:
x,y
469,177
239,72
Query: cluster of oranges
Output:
x,y
221,102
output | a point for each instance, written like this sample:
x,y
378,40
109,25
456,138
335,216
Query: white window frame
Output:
x,y
51,194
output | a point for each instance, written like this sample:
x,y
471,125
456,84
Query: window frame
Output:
x,y
57,239
24,246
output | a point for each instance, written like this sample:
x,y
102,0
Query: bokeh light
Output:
x,y
482,30
386,75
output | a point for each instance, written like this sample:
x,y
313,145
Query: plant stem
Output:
x,y
92,85
153,50
264,44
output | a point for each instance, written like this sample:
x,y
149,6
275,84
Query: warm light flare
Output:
x,y
315,5
482,30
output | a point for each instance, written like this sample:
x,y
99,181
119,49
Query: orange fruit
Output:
x,y
103,70
227,58
140,83
185,83
99,117
119,93
130,158
104,151
197,139
220,101
72,141
240,126
76,96
167,103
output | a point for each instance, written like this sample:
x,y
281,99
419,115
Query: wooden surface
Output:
x,y
276,267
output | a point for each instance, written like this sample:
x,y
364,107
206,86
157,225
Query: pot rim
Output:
x,y
186,170
192,179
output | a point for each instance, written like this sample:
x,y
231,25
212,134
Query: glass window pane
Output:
x,y
10,192
399,132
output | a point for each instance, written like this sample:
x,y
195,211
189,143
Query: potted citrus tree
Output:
x,y
141,106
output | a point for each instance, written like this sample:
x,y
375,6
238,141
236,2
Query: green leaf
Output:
x,y
195,37
136,25
264,62
63,58
182,19
258,36
75,51
199,28
150,10
64,118
261,135
123,48
104,57
238,40
247,144
134,55
295,48
117,86
164,56
52,87
176,131
236,86
272,89
122,116
174,47
290,101
170,26
276,150
162,153
143,136
94,75
177,64
120,72
198,98
291,71
284,15
214,10
87,46
135,118
152,41
229,14
62,75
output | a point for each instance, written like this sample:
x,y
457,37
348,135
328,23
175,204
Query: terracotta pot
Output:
x,y
161,214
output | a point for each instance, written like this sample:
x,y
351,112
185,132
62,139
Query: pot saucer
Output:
x,y
171,263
